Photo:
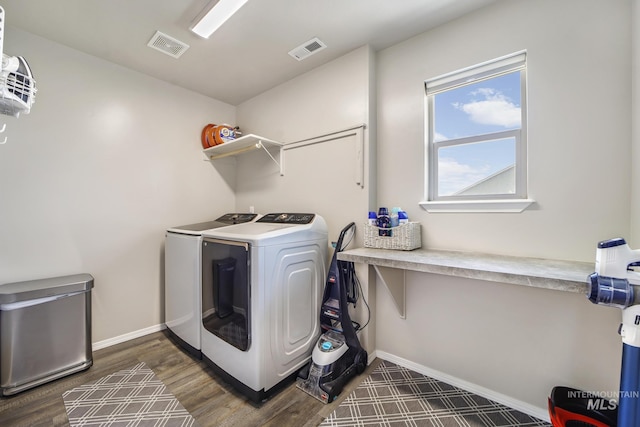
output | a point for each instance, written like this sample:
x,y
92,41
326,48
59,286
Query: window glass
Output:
x,y
491,105
476,139
477,168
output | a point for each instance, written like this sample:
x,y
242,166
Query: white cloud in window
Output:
x,y
454,176
494,108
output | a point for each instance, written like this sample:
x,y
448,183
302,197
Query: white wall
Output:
x,y
105,162
329,98
578,136
517,341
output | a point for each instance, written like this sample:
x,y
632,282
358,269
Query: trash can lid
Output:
x,y
42,288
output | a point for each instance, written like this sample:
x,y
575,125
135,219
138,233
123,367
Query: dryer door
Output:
x,y
225,291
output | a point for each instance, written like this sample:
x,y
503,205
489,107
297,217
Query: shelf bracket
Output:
x,y
259,144
394,280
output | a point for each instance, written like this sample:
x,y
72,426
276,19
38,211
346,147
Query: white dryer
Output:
x,y
182,279
262,286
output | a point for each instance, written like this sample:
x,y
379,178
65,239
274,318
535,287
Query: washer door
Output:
x,y
225,291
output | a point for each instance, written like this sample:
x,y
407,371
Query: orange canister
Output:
x,y
223,133
204,137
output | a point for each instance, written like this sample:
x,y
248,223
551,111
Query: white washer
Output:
x,y
182,278
262,286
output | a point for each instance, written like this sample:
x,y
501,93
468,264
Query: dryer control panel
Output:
x,y
288,218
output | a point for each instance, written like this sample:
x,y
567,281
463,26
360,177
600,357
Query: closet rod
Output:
x,y
356,131
362,125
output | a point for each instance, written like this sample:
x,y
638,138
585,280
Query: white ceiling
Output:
x,y
247,55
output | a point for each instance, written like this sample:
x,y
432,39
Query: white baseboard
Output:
x,y
126,337
534,411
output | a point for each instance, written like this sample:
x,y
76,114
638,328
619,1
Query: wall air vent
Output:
x,y
167,44
307,49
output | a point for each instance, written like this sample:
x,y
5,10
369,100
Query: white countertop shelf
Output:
x,y
566,276
240,145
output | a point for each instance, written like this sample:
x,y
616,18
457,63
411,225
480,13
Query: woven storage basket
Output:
x,y
404,237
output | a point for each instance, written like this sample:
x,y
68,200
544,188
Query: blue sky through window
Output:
x,y
487,106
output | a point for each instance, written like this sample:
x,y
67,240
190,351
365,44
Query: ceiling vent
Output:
x,y
307,49
167,44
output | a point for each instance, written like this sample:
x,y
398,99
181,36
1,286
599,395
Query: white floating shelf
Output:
x,y
240,145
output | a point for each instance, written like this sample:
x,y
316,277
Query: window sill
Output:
x,y
453,206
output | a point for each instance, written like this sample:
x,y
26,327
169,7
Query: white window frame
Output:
x,y
513,202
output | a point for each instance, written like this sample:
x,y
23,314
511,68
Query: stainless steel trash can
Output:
x,y
45,330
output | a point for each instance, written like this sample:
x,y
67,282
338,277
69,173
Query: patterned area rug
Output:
x,y
131,397
396,396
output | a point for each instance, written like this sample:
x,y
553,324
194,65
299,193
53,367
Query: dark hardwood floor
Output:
x,y
206,396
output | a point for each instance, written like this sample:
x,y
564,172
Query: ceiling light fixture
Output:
x,y
214,15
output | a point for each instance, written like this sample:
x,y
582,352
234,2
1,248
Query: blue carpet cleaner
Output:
x,y
337,356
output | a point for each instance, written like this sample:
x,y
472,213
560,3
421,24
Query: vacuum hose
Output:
x,y
611,291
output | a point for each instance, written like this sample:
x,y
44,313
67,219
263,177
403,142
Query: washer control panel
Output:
x,y
288,218
237,218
